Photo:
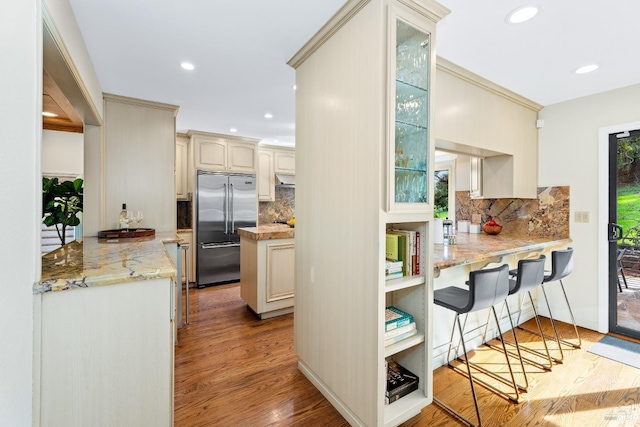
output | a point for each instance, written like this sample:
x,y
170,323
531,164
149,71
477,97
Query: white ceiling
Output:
x,y
240,49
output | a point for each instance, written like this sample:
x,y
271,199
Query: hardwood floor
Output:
x,y
235,370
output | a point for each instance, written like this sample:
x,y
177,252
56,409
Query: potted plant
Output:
x,y
61,203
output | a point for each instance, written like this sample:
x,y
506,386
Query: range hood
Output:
x,y
285,181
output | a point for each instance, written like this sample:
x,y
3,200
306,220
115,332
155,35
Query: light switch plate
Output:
x,y
581,216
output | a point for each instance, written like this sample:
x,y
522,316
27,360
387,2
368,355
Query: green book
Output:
x,y
392,246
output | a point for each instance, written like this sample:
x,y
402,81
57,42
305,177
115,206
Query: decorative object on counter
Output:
x,y
61,203
123,219
463,226
492,227
475,229
126,234
292,222
447,230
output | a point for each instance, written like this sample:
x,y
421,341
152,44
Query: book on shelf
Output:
x,y
391,247
403,393
395,318
400,381
417,252
398,338
412,248
392,263
395,275
401,330
393,270
404,249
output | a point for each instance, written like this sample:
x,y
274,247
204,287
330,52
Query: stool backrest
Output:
x,y
530,274
488,287
561,264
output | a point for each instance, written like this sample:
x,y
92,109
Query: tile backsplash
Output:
x,y
282,209
545,216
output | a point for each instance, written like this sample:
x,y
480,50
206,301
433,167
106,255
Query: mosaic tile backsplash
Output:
x,y
546,216
279,211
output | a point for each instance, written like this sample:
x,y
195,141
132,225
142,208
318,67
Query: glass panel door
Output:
x,y
411,114
624,239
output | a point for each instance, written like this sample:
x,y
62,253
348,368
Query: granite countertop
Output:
x,y
482,247
267,232
185,230
98,262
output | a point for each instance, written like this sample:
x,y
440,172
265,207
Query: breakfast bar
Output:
x,y
453,263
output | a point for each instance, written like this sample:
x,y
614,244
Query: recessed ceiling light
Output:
x,y
187,66
268,116
295,87
522,14
586,69
233,130
48,114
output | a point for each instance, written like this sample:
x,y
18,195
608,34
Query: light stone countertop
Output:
x,y
98,262
473,248
267,232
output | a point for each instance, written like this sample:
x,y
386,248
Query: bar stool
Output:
x,y
561,267
486,289
528,276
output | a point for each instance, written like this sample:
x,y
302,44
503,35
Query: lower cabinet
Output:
x,y
105,355
267,275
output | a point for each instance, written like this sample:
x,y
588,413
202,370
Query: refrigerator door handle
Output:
x,y
224,209
233,224
219,245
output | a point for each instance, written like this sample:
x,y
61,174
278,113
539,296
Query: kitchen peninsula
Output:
x,y
452,264
104,332
267,255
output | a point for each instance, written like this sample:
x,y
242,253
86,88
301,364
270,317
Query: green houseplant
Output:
x,y
61,203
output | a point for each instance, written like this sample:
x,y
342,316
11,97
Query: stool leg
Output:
x,y
573,320
473,389
553,325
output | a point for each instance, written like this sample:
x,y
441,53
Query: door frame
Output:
x,y
603,220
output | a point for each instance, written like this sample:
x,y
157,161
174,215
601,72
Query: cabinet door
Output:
x,y
280,271
266,176
181,168
285,162
410,67
475,175
241,157
210,154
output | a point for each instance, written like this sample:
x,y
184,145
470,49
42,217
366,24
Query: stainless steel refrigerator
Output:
x,y
224,203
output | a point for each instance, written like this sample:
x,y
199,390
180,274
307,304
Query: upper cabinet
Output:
x,y
216,152
410,136
284,161
266,176
182,157
476,117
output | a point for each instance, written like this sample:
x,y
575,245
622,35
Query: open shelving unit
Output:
x,y
367,120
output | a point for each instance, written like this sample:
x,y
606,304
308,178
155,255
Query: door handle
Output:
x,y
233,224
615,232
224,208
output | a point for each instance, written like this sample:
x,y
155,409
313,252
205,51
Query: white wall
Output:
x,y
569,155
62,153
21,41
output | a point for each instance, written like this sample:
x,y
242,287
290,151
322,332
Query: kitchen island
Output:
x,y
453,263
104,332
267,255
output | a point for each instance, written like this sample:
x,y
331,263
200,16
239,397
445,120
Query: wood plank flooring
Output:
x,y
232,369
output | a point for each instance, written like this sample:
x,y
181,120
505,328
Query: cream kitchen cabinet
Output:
x,y
186,238
182,156
217,152
476,117
284,161
384,115
267,275
266,176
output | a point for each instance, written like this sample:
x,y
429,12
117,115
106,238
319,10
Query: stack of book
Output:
x,y
398,325
403,246
400,382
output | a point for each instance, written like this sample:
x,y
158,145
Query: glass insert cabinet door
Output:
x,y
411,114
